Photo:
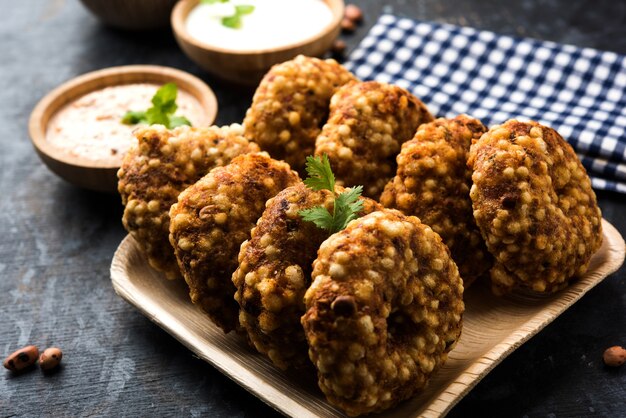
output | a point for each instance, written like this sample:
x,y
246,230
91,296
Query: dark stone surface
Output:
x,y
57,241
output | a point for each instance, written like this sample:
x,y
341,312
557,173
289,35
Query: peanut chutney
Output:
x,y
90,127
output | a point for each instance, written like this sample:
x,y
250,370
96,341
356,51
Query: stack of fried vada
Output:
x,y
210,221
162,164
376,307
275,270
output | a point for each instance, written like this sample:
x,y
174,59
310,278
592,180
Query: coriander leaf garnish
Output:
x,y
156,115
347,205
176,121
132,117
321,176
244,9
162,111
234,21
319,216
165,98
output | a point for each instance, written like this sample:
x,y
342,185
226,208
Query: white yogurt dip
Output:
x,y
90,127
272,24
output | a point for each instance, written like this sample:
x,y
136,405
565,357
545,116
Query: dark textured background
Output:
x,y
56,241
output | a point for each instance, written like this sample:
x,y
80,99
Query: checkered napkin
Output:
x,y
580,92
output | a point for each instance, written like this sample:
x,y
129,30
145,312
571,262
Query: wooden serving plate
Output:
x,y
95,175
492,329
248,67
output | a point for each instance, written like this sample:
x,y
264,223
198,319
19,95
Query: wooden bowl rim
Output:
x,y
70,90
126,17
184,7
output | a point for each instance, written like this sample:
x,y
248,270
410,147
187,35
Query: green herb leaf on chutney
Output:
x,y
162,111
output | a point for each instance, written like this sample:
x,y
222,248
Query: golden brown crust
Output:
x,y
433,183
274,272
383,311
211,220
534,205
161,165
368,123
291,105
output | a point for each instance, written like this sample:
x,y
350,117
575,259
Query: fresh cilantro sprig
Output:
x,y
162,111
321,176
347,205
234,21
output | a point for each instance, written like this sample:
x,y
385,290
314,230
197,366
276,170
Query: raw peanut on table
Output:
x,y
50,358
614,356
354,13
22,358
339,47
347,25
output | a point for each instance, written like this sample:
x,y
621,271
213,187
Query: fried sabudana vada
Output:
x,y
291,105
275,270
210,221
367,125
384,309
534,205
433,183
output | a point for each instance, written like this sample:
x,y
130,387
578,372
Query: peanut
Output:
x,y
50,358
354,13
344,306
22,358
347,25
338,48
614,356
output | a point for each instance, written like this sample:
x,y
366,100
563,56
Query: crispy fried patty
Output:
x,y
433,182
291,105
534,206
383,311
275,271
211,220
368,123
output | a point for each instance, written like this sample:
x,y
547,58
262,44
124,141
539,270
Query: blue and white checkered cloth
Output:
x,y
580,92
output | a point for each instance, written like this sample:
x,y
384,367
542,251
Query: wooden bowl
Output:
x,y
102,175
248,67
132,14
